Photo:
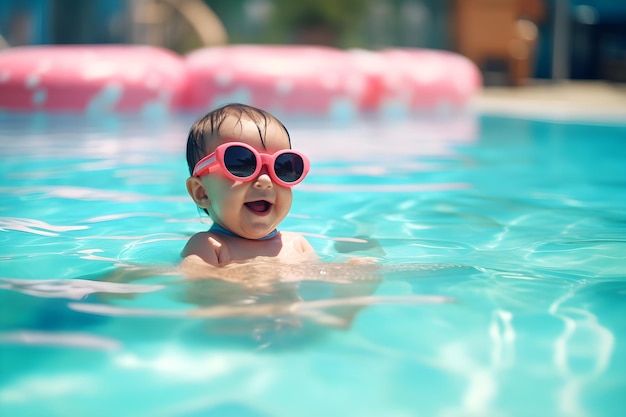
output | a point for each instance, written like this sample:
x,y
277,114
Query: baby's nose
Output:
x,y
263,180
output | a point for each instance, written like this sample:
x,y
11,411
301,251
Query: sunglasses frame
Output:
x,y
214,162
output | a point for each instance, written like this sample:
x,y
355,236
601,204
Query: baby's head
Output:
x,y
205,134
244,187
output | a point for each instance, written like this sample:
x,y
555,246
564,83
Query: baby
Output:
x,y
242,169
242,172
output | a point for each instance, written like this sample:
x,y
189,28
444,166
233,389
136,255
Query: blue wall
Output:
x,y
59,21
25,21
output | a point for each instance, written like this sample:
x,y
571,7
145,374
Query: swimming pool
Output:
x,y
500,290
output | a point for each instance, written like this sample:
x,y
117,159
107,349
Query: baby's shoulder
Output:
x,y
208,246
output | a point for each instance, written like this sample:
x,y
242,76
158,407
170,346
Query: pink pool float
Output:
x,y
83,78
281,79
285,80
426,79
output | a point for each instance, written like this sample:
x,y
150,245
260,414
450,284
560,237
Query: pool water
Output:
x,y
500,287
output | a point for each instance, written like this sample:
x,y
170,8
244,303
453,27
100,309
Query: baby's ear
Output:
x,y
196,190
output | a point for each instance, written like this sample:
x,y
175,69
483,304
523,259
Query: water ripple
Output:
x,y
37,227
383,188
64,339
314,310
90,194
74,289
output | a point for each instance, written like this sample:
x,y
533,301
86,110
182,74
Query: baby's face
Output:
x,y
250,209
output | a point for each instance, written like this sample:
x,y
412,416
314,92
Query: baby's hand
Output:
x,y
359,244
362,260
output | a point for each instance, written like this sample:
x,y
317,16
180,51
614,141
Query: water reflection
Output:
x,y
259,301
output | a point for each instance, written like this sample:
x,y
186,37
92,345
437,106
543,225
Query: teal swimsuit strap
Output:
x,y
217,228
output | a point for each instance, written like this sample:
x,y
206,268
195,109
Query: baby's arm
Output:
x,y
361,249
300,245
304,246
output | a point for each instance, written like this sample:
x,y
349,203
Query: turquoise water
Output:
x,y
500,288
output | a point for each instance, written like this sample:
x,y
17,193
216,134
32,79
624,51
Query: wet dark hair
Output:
x,y
208,127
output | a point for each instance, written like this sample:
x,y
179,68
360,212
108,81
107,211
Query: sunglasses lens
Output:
x,y
289,167
240,161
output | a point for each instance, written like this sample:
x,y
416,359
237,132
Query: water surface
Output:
x,y
499,289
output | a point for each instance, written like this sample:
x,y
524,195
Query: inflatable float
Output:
x,y
91,78
300,80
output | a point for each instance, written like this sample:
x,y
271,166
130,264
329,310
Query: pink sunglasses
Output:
x,y
241,162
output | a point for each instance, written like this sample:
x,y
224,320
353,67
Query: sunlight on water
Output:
x,y
498,289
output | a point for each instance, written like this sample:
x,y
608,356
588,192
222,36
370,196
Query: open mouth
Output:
x,y
259,206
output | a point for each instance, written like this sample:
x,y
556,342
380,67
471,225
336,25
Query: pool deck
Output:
x,y
562,100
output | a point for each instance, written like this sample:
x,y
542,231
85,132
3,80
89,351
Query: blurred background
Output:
x,y
511,41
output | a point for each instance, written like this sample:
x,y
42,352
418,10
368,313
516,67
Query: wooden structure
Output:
x,y
498,30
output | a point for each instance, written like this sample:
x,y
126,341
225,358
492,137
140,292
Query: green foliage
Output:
x,y
342,17
335,13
